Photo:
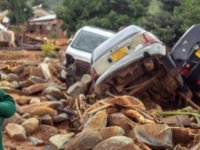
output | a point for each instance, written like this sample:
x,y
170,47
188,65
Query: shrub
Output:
x,y
49,50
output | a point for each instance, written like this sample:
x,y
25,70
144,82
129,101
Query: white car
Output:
x,y
81,47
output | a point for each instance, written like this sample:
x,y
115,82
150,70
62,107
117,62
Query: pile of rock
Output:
x,y
42,101
122,123
67,120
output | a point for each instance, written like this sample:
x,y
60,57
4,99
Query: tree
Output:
x,y
173,19
110,14
19,11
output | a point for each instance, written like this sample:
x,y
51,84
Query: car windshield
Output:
x,y
88,41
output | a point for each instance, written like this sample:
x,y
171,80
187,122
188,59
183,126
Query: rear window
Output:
x,y
88,41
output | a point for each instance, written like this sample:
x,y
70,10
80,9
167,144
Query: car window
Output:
x,y
88,41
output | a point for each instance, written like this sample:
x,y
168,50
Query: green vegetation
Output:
x,y
110,14
19,11
168,19
49,50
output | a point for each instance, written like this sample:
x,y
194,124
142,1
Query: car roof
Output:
x,y
98,30
182,49
113,41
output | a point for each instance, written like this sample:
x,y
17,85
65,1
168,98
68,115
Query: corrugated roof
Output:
x,y
44,18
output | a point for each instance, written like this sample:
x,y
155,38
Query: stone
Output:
x,y
49,147
29,108
35,71
43,110
36,88
45,71
35,141
6,84
60,118
63,74
16,118
31,125
76,89
46,119
99,120
22,100
15,84
119,119
85,140
31,81
86,80
16,131
54,92
116,143
111,131
4,76
60,140
48,131
13,77
34,100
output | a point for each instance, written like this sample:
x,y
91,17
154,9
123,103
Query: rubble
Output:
x,y
71,119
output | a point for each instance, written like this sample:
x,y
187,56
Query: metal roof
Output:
x,y
44,18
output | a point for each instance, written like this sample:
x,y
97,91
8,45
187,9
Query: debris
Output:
x,y
60,140
16,131
31,125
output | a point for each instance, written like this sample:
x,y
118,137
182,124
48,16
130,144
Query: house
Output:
x,y
45,23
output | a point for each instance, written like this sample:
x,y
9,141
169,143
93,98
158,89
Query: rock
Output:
x,y
4,76
46,119
34,100
45,70
86,80
16,131
159,135
60,140
48,131
54,92
43,110
6,84
35,141
76,89
29,108
13,77
99,120
16,118
119,119
35,88
85,140
35,71
63,74
60,118
15,84
49,147
22,100
51,98
116,143
111,131
31,81
31,125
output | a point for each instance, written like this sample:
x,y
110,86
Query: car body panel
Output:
x,y
130,38
83,44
